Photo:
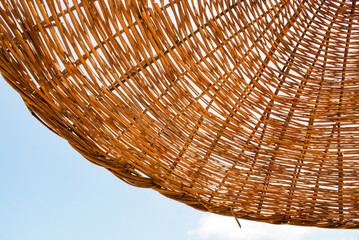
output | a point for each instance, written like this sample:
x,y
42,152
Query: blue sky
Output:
x,y
48,191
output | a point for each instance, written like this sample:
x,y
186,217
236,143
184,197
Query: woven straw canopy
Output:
x,y
241,108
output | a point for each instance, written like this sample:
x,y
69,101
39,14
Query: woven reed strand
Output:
x,y
243,108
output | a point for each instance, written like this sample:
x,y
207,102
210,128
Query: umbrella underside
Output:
x,y
240,108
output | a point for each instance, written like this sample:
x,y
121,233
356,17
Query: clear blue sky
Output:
x,y
49,192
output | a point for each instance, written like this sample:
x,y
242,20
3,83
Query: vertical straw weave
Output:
x,y
243,108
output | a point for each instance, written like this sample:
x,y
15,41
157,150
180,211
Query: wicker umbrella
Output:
x,y
242,108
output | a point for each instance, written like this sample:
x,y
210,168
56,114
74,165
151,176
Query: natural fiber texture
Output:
x,y
243,108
